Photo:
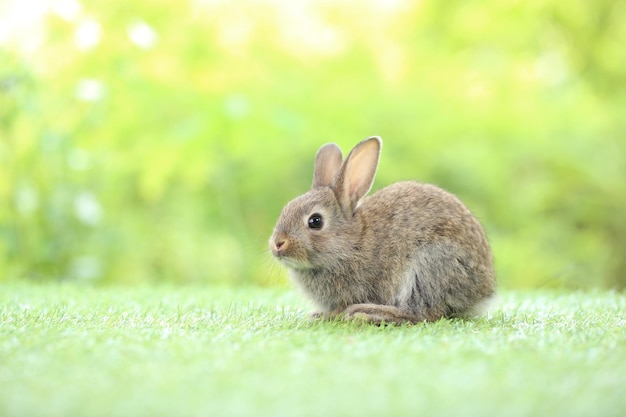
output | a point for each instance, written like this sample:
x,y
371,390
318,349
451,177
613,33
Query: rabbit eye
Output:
x,y
316,221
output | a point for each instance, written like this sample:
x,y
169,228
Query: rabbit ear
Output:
x,y
357,173
327,164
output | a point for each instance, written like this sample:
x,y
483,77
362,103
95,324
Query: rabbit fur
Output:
x,y
411,252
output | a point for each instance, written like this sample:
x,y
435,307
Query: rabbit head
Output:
x,y
316,230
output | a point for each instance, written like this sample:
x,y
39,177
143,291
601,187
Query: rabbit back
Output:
x,y
431,247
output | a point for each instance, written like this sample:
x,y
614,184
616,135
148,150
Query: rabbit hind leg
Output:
x,y
378,314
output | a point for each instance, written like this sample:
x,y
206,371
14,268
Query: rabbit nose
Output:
x,y
280,245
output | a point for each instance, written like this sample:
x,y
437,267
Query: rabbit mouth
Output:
x,y
292,263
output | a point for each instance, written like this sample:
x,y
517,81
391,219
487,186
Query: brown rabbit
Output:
x,y
411,252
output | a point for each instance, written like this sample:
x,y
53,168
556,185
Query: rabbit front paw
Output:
x,y
323,315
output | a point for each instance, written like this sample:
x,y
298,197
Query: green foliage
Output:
x,y
159,140
163,351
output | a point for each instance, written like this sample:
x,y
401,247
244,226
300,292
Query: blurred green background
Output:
x,y
146,141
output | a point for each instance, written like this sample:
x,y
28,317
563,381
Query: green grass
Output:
x,y
78,351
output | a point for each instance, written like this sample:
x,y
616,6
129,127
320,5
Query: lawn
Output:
x,y
71,350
